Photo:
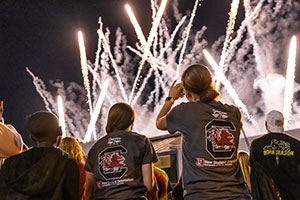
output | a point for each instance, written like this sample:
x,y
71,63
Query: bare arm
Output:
x,y
174,93
161,119
147,171
89,190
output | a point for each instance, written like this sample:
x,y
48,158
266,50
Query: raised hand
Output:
x,y
175,90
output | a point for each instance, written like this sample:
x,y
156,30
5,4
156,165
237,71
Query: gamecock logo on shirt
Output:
x,y
111,162
219,139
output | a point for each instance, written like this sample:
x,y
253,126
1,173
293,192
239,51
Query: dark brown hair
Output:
x,y
120,117
198,79
42,126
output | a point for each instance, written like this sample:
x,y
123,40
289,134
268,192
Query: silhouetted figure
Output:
x,y
42,173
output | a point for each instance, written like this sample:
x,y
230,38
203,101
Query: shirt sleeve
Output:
x,y
150,154
173,119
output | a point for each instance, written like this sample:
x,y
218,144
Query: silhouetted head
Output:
x,y
198,80
43,126
120,117
72,146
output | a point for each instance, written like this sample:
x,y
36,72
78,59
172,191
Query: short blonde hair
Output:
x,y
72,146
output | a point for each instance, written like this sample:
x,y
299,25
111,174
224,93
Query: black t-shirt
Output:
x,y
210,142
279,154
116,161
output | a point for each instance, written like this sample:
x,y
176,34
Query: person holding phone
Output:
x,y
210,137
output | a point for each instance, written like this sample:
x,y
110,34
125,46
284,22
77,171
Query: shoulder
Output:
x,y
229,107
258,143
291,138
137,136
183,107
99,143
260,139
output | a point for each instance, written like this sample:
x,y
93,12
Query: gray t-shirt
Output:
x,y
210,142
116,161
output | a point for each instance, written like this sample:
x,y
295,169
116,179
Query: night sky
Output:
x,y
42,35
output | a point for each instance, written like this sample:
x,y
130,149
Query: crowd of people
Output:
x,y
120,165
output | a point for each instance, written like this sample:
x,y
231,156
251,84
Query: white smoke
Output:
x,y
255,67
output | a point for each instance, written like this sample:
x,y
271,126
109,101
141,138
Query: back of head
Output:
x,y
197,79
120,117
73,147
274,121
43,126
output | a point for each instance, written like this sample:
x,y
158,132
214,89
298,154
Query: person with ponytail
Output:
x,y
210,137
119,165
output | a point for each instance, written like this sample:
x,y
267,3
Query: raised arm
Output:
x,y
174,94
147,171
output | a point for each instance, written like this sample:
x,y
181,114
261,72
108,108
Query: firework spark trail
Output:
x,y
157,62
155,65
107,49
137,27
229,31
150,98
97,79
143,42
289,84
61,116
153,9
85,73
240,33
91,127
186,36
148,44
229,88
96,64
142,86
157,76
41,88
168,44
256,48
162,35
